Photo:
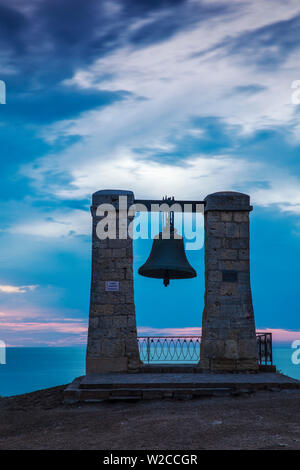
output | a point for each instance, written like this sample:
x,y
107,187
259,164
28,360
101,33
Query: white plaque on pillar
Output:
x,y
112,286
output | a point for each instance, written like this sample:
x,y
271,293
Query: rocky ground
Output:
x,y
39,420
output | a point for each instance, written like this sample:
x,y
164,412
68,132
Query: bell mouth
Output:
x,y
161,273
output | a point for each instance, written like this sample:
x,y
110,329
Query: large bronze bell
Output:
x,y
167,260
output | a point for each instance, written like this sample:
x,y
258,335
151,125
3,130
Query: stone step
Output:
x,y
171,368
150,394
99,387
182,385
149,385
189,369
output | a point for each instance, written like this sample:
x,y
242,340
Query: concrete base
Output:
x,y
179,385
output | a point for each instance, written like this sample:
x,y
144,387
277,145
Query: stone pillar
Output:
x,y
112,336
228,329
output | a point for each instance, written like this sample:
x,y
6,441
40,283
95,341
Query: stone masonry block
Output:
x,y
226,216
231,349
244,230
112,348
96,365
241,216
105,253
111,298
244,277
131,323
226,254
94,322
247,348
128,272
124,309
104,309
229,310
214,216
243,254
120,321
214,242
118,253
228,288
214,348
240,265
214,275
118,244
105,321
129,298
237,243
216,229
220,322
232,230
93,348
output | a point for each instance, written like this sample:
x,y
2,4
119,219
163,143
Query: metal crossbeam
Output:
x,y
186,206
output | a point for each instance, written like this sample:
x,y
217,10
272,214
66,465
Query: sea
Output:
x,y
30,369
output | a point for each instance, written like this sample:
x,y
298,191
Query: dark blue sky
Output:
x,y
183,98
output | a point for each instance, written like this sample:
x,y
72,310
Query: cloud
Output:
x,y
43,42
50,104
12,26
35,328
187,331
177,86
269,45
7,289
56,224
59,327
149,178
191,178
163,23
150,90
138,142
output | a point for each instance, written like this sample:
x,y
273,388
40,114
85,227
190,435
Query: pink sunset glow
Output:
x,y
38,328
279,335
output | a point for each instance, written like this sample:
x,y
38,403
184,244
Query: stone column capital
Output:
x,y
112,196
227,201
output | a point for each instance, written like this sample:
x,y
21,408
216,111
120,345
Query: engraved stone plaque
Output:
x,y
112,286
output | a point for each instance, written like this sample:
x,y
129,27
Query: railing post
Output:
x,y
271,348
148,350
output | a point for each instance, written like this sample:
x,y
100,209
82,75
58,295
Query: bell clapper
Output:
x,y
166,279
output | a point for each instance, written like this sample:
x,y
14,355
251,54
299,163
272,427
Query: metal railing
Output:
x,y
186,349
169,348
264,348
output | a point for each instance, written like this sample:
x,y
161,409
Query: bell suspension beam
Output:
x,y
186,206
